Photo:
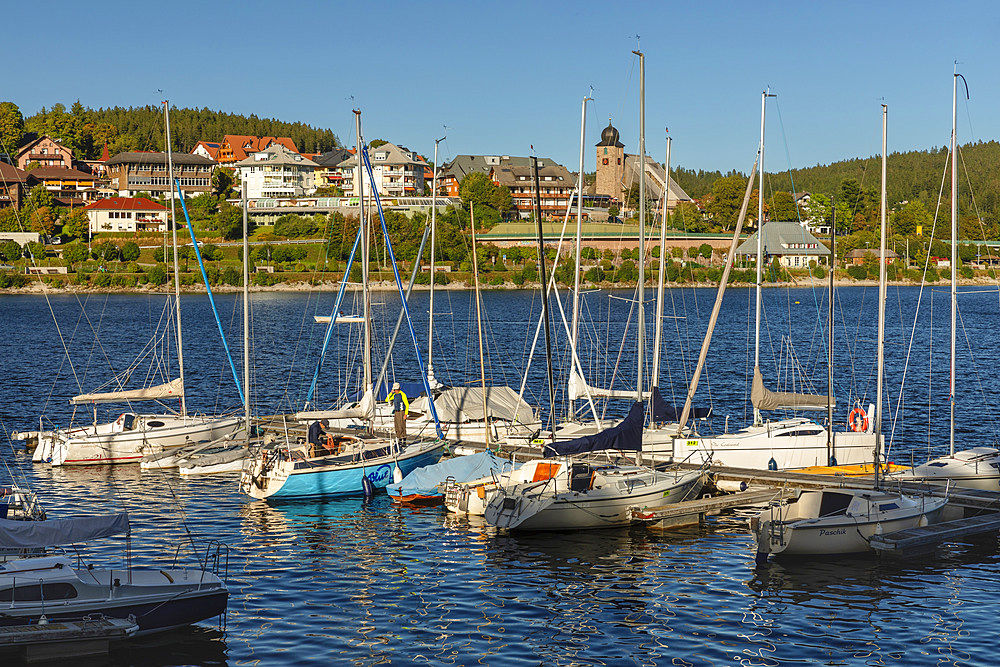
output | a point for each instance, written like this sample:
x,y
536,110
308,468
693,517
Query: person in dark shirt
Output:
x,y
317,433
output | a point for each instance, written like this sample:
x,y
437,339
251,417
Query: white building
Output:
x,y
126,214
277,173
397,171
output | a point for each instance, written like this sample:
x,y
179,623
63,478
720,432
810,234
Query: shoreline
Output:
x,y
39,287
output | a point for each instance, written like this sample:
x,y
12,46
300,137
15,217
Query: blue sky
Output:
x,y
505,76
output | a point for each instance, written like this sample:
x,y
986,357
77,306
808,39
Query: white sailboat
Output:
x,y
132,435
795,442
572,493
977,467
841,521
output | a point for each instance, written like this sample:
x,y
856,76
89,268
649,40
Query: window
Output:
x,y
605,161
605,152
619,160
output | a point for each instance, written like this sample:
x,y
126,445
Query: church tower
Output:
x,y
610,164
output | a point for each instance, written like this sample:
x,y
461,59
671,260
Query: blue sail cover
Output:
x,y
662,412
627,436
424,481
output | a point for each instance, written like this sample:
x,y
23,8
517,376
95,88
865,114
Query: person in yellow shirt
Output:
x,y
400,408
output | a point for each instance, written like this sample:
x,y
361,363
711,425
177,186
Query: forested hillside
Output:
x,y
86,130
912,176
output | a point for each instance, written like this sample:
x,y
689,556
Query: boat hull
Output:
x,y
606,506
785,445
792,531
131,446
289,479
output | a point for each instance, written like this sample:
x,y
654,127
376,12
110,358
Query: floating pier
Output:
x,y
65,640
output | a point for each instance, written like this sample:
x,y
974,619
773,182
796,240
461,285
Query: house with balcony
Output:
x,y
126,214
44,151
277,173
69,187
236,147
135,172
328,172
397,172
555,184
13,185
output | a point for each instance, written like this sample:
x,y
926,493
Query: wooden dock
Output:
x,y
691,512
935,533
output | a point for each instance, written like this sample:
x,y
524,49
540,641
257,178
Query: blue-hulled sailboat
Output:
x,y
346,464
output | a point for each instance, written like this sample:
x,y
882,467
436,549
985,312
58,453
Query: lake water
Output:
x,y
350,582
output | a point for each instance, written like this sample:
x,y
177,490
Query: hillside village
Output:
x,y
51,200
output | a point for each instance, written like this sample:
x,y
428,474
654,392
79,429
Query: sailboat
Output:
x,y
132,435
795,442
841,521
976,467
346,464
583,493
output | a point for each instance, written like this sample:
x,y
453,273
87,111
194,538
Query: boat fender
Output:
x,y
743,484
772,464
43,620
833,462
397,475
367,488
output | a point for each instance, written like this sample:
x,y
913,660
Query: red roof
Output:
x,y
124,204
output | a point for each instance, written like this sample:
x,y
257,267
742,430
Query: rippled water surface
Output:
x,y
349,582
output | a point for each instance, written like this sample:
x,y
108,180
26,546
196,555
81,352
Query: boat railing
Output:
x,y
215,560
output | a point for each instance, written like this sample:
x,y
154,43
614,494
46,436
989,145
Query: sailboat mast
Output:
x,y
365,248
954,254
760,246
545,298
430,315
479,322
575,326
177,265
880,367
641,344
658,335
246,311
830,455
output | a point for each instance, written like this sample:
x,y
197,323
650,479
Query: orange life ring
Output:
x,y
857,421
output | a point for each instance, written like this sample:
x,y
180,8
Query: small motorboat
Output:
x,y
49,586
838,521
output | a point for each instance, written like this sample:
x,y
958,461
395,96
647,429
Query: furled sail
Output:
x,y
765,399
172,389
578,388
627,436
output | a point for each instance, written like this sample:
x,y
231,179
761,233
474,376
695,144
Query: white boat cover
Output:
x,y
172,389
60,532
458,405
364,409
765,399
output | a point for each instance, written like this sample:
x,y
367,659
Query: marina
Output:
x,y
330,566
